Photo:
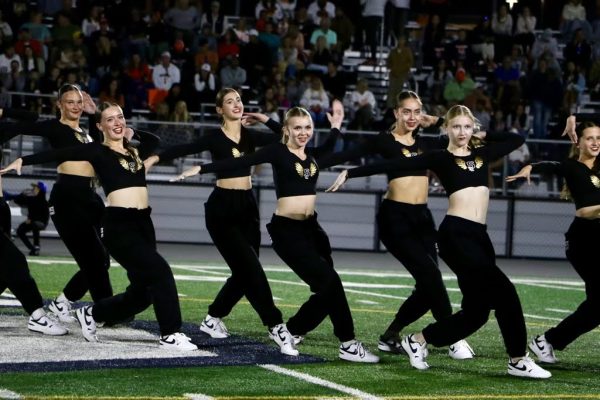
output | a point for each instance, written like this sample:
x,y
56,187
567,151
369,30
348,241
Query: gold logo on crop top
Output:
x,y
469,165
133,163
306,173
408,153
82,137
595,181
236,153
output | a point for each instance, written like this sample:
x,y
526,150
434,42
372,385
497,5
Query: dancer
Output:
x,y
14,271
75,208
296,235
464,243
405,223
581,172
232,217
128,231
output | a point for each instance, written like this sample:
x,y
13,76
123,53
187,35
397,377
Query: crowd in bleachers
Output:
x,y
171,56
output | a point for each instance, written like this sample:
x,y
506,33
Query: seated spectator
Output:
x,y
180,131
316,101
31,62
165,74
433,40
206,54
25,40
574,17
362,106
205,84
272,40
8,57
458,88
288,57
214,19
326,31
270,8
482,40
242,31
437,80
334,81
288,7
578,50
91,23
39,31
502,26
525,29
232,75
112,93
342,25
228,46
320,57
573,85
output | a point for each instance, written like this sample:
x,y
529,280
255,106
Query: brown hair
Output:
x,y
565,193
400,99
220,98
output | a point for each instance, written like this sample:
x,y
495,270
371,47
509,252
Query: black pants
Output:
x,y
76,211
5,217
372,26
408,232
467,249
14,275
582,242
130,238
234,226
30,226
305,248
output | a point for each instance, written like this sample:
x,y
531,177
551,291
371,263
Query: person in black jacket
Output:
x,y
37,215
128,231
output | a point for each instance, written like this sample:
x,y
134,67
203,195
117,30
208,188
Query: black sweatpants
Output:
x,y
76,211
581,247
304,247
14,275
130,238
408,232
233,223
30,226
467,249
5,217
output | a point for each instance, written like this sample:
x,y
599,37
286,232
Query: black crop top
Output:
x,y
455,172
583,183
115,170
223,148
58,134
292,176
388,147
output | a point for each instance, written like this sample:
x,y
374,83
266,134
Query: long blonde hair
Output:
x,y
462,111
291,113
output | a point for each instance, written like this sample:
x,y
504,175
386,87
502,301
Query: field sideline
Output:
x,y
226,369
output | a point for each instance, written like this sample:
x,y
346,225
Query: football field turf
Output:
x,y
127,364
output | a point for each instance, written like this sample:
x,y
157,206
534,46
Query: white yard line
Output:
x,y
321,382
7,394
559,287
559,310
541,317
197,396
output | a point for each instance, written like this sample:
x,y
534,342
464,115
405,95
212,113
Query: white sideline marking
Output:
x,y
559,310
7,394
8,294
543,285
540,317
197,396
367,302
321,382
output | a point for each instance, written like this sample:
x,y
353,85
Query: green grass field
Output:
x,y
374,298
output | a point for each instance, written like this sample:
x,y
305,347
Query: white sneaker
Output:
x,y
417,353
283,338
298,339
543,350
87,323
177,341
214,327
461,350
62,310
355,351
47,326
390,345
527,368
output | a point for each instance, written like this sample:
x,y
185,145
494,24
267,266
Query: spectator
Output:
x,y
31,62
270,38
62,33
578,50
546,46
397,13
399,62
158,35
437,80
37,215
214,19
525,29
344,28
205,84
39,31
320,8
288,57
91,23
241,30
433,36
334,81
206,55
232,75
14,80
228,46
502,26
507,86
321,56
546,94
25,40
165,74
363,106
288,8
255,59
574,17
458,88
183,18
573,85
6,32
482,40
7,58
372,13
459,52
180,131
316,101
271,9
324,30
112,93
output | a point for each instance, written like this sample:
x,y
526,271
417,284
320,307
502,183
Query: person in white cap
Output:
x,y
165,74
